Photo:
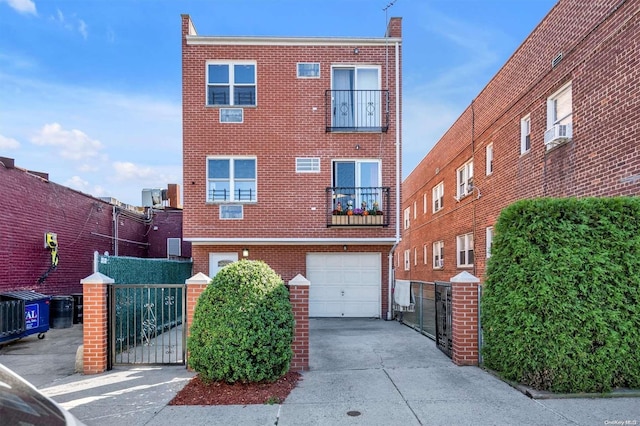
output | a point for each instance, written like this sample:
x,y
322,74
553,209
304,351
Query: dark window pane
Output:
x,y
245,169
219,74
470,257
218,169
244,95
218,95
244,74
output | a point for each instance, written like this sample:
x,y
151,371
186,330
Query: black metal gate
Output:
x,y
146,324
443,317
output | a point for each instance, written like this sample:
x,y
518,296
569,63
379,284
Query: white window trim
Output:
x,y
415,256
464,187
425,257
551,118
407,217
438,255
464,244
307,165
437,197
525,130
489,159
415,210
424,203
232,82
174,247
489,240
231,181
407,260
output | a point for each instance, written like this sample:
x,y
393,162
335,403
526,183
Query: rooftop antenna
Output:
x,y
386,19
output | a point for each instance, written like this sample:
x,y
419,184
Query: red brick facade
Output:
x,y
33,205
289,217
599,46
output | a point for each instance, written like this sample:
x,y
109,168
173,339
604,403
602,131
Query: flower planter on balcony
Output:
x,y
357,220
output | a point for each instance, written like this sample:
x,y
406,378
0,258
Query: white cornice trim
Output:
x,y
290,241
288,41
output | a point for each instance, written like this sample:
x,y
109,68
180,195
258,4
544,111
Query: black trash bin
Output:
x,y
61,314
77,307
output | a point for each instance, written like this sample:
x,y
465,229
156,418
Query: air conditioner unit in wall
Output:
x,y
557,134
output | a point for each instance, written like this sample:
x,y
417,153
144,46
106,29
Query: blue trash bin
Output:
x,y
25,313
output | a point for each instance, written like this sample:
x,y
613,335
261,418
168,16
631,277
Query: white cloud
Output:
x,y
126,171
82,27
22,6
8,143
72,144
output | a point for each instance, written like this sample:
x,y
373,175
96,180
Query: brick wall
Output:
x,y
600,49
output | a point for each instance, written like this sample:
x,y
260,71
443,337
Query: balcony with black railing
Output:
x,y
357,110
352,206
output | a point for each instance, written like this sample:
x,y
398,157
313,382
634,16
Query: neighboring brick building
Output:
x,y
281,136
33,206
560,119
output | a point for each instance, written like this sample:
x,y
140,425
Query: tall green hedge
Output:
x,y
561,302
243,326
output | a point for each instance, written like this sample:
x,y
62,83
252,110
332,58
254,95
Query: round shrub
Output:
x,y
243,326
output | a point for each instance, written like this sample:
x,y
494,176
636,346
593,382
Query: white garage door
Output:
x,y
344,284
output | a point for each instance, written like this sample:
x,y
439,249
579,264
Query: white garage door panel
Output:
x,y
344,284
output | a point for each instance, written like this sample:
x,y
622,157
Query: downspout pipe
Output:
x,y
398,182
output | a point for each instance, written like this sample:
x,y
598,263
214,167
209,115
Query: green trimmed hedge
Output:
x,y
243,326
561,302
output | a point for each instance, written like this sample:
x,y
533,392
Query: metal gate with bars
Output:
x,y
432,313
146,324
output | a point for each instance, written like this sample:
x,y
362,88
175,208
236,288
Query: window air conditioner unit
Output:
x,y
557,134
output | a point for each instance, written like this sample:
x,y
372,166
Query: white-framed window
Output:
x,y
307,165
231,83
356,182
525,134
174,247
559,117
425,259
231,179
308,70
356,97
438,254
437,195
465,250
407,217
407,260
489,156
415,256
415,210
465,179
424,203
231,211
489,240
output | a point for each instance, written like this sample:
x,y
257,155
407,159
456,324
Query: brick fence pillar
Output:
x,y
195,286
299,297
464,314
94,323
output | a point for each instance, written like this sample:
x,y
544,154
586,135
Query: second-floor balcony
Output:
x,y
357,110
353,206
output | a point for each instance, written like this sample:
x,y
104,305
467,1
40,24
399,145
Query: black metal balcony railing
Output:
x,y
357,110
350,206
240,195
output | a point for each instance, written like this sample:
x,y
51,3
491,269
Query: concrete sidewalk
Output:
x,y
363,372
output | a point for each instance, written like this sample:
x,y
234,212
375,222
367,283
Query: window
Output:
x,y
489,240
174,247
489,154
231,84
465,179
231,211
424,203
438,254
357,181
438,197
307,165
415,210
415,256
407,216
465,250
407,261
425,259
231,180
525,134
356,97
308,70
559,117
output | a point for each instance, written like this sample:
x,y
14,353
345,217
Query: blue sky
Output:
x,y
90,91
